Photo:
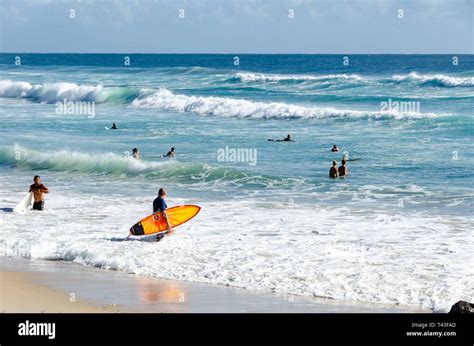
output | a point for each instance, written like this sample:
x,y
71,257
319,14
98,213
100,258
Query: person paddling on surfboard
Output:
x,y
159,206
38,190
114,126
286,139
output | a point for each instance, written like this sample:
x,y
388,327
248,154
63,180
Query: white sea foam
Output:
x,y
436,80
229,107
339,253
115,165
74,161
429,79
260,77
52,92
203,105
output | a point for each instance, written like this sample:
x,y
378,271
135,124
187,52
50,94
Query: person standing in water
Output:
x,y
342,170
333,172
135,153
159,206
171,153
38,190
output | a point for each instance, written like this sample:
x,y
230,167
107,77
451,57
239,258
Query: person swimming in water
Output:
x,y
335,149
342,170
135,153
333,172
159,206
114,126
288,138
171,153
38,190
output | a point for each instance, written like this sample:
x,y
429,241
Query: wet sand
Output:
x,y
53,286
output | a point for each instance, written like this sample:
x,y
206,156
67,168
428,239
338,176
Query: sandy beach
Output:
x,y
19,293
52,286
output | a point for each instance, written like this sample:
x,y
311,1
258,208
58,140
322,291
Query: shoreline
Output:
x,y
47,286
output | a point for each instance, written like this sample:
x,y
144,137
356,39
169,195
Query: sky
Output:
x,y
238,26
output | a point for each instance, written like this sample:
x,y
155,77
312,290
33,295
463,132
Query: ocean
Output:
x,y
398,229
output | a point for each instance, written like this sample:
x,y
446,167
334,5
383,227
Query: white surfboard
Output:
x,y
25,203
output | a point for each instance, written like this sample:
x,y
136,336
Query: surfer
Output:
x,y
38,190
333,170
335,149
159,206
114,126
171,153
135,153
342,170
286,139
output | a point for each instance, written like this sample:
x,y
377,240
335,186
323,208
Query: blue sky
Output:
x,y
237,26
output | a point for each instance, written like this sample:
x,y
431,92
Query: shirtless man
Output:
x,y
171,153
38,190
136,153
333,170
342,168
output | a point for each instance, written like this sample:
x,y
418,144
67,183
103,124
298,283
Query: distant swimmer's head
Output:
x,y
288,138
37,179
334,163
161,192
135,153
334,146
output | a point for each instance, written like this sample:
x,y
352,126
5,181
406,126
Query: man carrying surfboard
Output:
x,y
163,218
159,206
38,190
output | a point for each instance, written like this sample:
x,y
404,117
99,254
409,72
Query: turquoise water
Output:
x,y
415,167
315,98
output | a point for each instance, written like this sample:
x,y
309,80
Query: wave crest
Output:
x,y
439,80
57,92
228,107
260,77
122,165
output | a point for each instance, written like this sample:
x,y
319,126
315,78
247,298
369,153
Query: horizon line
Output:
x,y
233,53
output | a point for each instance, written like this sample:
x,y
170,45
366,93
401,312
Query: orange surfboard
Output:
x,y
155,223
